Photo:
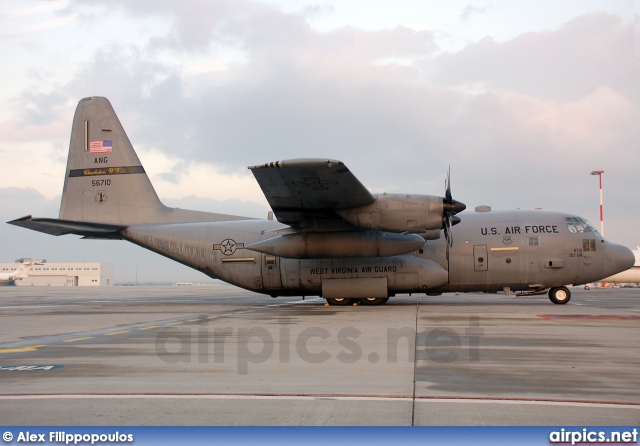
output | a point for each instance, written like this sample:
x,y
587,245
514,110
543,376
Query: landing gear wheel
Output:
x,y
373,300
339,301
559,295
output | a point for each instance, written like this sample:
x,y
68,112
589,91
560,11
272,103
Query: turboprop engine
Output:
x,y
317,197
415,214
392,225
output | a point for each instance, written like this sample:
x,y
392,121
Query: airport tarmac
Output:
x,y
219,355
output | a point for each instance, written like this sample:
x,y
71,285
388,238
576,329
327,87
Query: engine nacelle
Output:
x,y
433,234
324,245
398,213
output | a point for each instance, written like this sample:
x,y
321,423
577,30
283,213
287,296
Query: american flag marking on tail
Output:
x,y
101,146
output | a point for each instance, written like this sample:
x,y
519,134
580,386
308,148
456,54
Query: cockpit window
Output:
x,y
578,225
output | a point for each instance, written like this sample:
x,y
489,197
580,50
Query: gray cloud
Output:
x,y
231,207
17,202
566,64
521,122
470,10
195,24
39,108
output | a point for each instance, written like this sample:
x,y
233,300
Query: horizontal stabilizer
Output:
x,y
54,226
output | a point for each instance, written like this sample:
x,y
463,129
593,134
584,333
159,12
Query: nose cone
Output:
x,y
617,258
454,207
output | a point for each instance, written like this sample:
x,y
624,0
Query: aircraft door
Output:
x,y
480,258
271,279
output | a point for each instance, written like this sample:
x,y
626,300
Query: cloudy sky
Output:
x,y
522,100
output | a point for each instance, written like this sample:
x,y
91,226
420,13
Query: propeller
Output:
x,y
450,208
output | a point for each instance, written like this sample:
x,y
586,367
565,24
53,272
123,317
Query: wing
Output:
x,y
303,190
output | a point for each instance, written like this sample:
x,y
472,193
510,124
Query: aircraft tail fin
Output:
x,y
106,189
25,266
105,181
22,269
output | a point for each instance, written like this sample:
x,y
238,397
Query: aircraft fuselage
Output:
x,y
522,250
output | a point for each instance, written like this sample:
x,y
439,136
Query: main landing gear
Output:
x,y
363,301
559,295
373,300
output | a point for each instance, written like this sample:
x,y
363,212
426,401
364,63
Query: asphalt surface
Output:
x,y
219,355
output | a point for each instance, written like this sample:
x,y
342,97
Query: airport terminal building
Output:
x,y
64,274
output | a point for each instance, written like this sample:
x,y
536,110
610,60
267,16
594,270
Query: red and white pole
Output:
x,y
599,173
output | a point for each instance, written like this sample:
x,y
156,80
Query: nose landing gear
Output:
x,y
559,295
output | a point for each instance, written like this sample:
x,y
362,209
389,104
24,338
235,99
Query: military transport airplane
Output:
x,y
20,272
332,237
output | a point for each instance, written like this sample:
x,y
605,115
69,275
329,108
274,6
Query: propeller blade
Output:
x,y
450,208
447,194
448,234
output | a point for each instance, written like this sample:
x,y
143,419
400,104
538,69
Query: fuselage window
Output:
x,y
588,245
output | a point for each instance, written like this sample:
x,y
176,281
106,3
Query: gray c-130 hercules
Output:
x,y
332,237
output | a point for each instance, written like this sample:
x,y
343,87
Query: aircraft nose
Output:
x,y
617,258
